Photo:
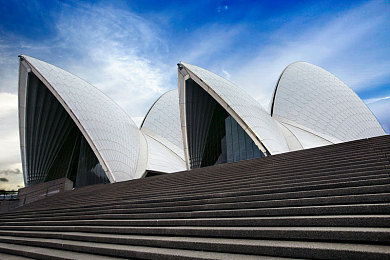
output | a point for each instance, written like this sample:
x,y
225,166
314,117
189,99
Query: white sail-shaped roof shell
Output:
x,y
319,109
251,116
161,128
110,132
163,118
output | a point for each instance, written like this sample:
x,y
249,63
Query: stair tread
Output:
x,y
131,251
13,257
54,253
326,202
265,243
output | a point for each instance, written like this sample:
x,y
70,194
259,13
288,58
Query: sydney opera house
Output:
x,y
69,128
209,174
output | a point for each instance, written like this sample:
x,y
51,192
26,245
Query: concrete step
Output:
x,y
261,172
358,209
118,250
216,175
201,248
297,221
285,205
5,256
206,198
283,186
262,181
203,205
287,170
291,181
330,234
22,251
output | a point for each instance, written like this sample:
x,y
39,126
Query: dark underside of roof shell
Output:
x,y
331,202
55,147
214,136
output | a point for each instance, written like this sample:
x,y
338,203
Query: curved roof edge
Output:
x,y
324,105
53,89
71,114
163,118
276,87
161,128
162,155
259,125
154,103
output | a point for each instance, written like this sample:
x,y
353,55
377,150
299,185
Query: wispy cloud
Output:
x,y
380,107
119,52
208,45
9,136
116,50
10,164
373,100
11,179
9,68
10,172
335,44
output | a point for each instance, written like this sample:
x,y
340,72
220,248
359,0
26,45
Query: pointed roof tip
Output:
x,y
189,66
180,66
22,56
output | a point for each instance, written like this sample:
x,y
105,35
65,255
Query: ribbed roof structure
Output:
x,y
161,128
245,109
110,132
163,118
309,99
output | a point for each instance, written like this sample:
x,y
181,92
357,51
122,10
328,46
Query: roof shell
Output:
x,y
309,97
110,132
161,158
163,118
252,117
162,131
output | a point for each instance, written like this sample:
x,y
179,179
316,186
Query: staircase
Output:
x,y
331,202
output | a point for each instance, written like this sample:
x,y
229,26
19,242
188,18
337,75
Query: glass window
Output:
x,y
214,137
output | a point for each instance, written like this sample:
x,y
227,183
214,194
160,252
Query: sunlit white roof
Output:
x,y
245,109
110,132
163,118
161,128
161,158
310,100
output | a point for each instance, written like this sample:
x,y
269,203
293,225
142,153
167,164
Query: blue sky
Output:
x,y
130,49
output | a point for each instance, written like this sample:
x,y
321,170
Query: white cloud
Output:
x,y
119,53
207,45
9,136
380,107
9,141
226,74
373,100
